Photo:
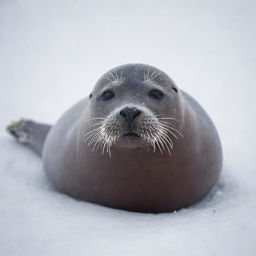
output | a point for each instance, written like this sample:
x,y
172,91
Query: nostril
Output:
x,y
136,113
123,113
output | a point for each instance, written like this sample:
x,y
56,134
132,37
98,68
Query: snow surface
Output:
x,y
52,53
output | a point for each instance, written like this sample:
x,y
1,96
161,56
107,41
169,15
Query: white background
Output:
x,y
51,55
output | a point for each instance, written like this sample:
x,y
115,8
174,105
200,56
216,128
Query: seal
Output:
x,y
137,143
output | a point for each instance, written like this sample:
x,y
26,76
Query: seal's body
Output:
x,y
136,143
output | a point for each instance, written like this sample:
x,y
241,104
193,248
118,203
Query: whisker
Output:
x,y
167,118
90,133
159,147
162,139
98,123
101,118
104,145
114,79
168,130
172,128
95,138
167,141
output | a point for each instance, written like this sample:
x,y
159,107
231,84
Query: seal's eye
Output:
x,y
156,94
107,95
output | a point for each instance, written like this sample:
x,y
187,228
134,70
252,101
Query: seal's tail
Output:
x,y
30,133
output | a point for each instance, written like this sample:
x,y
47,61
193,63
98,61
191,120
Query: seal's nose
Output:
x,y
130,113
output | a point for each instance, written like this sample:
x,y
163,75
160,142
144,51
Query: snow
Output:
x,y
52,53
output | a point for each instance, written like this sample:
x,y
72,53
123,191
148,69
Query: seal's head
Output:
x,y
135,105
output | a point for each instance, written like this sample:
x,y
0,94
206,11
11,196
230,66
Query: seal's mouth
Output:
x,y
131,134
